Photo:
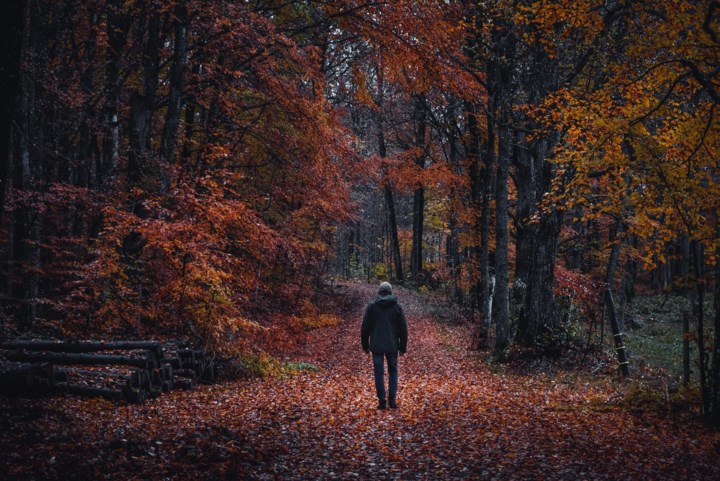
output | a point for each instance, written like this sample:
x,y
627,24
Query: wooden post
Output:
x,y
610,303
617,335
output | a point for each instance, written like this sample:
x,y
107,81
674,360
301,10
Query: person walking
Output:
x,y
384,333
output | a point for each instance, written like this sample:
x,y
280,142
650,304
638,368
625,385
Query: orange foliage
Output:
x,y
641,146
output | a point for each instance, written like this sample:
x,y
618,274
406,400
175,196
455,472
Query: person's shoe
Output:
x,y
381,405
392,404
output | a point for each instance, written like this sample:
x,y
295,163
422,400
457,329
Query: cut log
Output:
x,y
84,346
136,395
146,362
137,378
186,373
110,394
174,362
183,383
102,369
16,376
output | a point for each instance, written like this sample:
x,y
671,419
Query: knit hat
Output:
x,y
385,288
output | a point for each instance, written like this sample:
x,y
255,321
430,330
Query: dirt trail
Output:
x,y
457,420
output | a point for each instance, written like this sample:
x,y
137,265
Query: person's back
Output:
x,y
384,333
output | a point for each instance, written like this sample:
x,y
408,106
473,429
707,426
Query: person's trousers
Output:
x,y
379,371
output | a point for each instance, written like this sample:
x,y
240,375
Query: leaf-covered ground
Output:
x,y
458,419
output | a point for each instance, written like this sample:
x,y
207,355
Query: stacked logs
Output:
x,y
118,370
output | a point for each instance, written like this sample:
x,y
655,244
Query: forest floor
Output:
x,y
459,417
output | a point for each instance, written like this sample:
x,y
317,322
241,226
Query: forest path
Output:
x,y
457,420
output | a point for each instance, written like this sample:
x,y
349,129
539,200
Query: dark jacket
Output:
x,y
384,328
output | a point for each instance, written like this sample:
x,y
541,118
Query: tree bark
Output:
x,y
142,104
536,243
416,256
12,13
175,98
485,299
26,168
387,189
501,308
118,25
394,239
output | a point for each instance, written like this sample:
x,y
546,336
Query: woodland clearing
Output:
x,y
459,418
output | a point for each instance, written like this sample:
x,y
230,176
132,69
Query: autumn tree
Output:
x,y
640,136
187,171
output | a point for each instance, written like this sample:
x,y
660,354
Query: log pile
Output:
x,y
129,371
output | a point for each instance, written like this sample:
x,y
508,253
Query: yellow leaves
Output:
x,y
362,95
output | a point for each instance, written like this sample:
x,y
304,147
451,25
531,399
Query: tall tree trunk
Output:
x,y
11,33
191,111
536,244
480,184
452,240
118,25
142,104
387,189
172,118
416,256
485,298
477,181
452,258
87,151
501,309
26,168
394,240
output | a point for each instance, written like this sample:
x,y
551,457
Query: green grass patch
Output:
x,y
654,333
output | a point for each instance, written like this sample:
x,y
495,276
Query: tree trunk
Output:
x,y
142,104
172,118
118,25
480,184
416,256
536,244
394,239
452,240
26,168
387,190
416,265
87,149
501,309
12,14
